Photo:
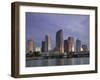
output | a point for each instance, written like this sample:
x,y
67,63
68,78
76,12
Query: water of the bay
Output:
x,y
56,61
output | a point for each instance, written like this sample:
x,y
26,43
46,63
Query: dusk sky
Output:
x,y
40,24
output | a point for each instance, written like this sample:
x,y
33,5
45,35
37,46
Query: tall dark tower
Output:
x,y
78,45
65,45
48,42
43,46
59,41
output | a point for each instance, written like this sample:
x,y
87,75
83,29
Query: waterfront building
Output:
x,y
31,46
47,43
65,45
78,45
38,49
70,44
84,47
43,46
59,41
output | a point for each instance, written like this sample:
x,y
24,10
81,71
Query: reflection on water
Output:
x,y
58,61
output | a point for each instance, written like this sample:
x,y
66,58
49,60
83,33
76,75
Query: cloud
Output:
x,y
39,24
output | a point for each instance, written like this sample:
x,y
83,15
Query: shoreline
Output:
x,y
55,57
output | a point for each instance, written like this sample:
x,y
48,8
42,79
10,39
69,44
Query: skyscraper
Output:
x,y
65,45
78,45
70,44
30,47
43,46
59,41
47,42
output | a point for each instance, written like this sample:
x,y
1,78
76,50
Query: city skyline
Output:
x,y
40,24
61,45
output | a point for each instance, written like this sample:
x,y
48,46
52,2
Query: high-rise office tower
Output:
x,y
59,41
47,42
43,46
78,45
30,47
65,45
70,44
